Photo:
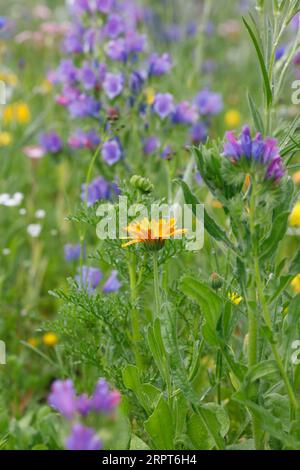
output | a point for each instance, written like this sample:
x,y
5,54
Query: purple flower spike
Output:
x,y
83,404
163,104
113,85
104,399
99,189
51,142
112,284
72,252
159,65
275,170
150,145
185,114
263,151
89,278
116,50
198,133
83,438
209,103
105,6
87,76
63,397
111,151
114,26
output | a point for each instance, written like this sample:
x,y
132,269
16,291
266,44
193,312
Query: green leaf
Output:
x,y
137,444
294,268
290,329
270,245
267,86
209,302
255,114
209,224
131,379
261,370
160,426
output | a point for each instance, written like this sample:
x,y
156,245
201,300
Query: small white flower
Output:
x,y
4,198
6,251
40,214
22,211
34,230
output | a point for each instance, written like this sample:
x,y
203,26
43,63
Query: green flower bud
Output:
x,y
142,184
216,281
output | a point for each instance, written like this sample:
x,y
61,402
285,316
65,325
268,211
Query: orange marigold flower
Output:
x,y
153,232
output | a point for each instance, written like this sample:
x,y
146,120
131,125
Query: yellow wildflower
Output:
x,y
33,342
296,283
5,139
295,215
232,118
150,95
296,177
153,232
50,339
16,113
235,298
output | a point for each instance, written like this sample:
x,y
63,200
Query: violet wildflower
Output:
x,y
67,72
135,42
209,103
72,252
296,59
84,106
87,76
83,404
83,438
185,113
198,133
150,145
80,139
51,142
163,104
114,26
88,278
159,65
167,152
113,85
137,80
116,50
112,284
104,6
263,151
63,397
280,51
99,189
104,399
111,151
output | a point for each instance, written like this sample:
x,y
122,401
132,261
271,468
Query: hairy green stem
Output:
x,y
135,327
156,283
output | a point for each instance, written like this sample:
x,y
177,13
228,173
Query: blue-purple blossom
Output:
x,y
112,284
198,133
280,51
89,278
209,103
63,397
83,438
167,152
163,104
111,151
136,82
84,106
81,139
113,85
87,76
296,59
104,399
185,113
150,145
159,65
135,42
114,26
99,189
105,6
51,142
116,50
67,72
72,252
263,151
83,404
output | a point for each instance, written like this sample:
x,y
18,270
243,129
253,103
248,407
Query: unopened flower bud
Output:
x,y
216,281
142,184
